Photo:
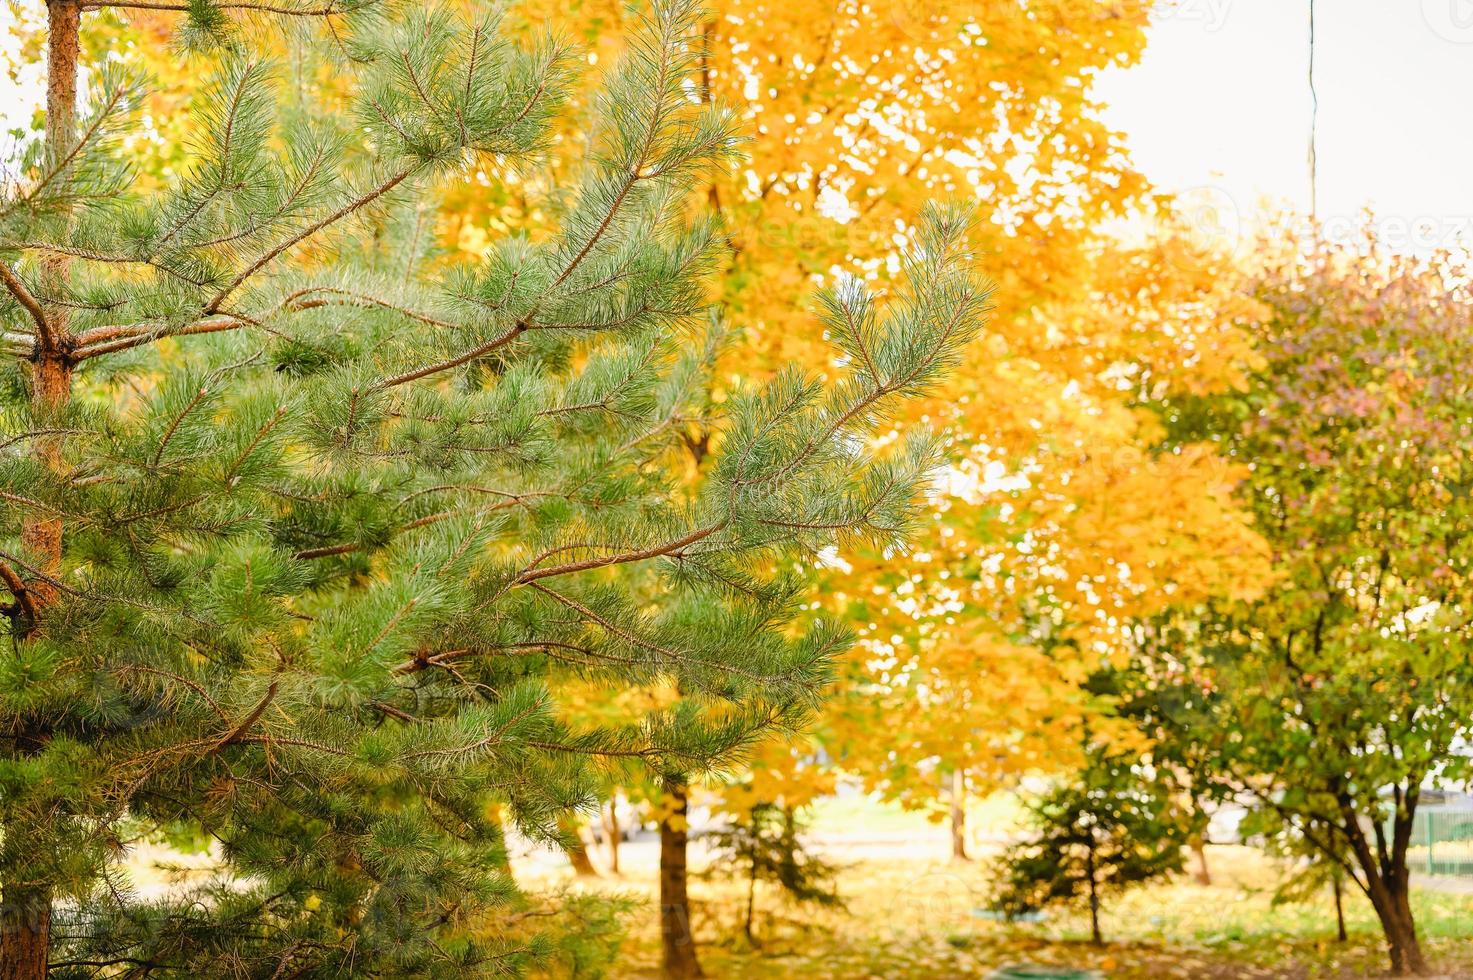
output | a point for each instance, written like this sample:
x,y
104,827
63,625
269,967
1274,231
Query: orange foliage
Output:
x,y
1056,523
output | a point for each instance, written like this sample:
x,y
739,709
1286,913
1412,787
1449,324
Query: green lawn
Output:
x,y
909,920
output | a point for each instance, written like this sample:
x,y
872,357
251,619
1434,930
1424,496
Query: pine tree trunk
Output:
x,y
680,961
611,828
25,933
958,815
576,849
25,912
51,370
1339,885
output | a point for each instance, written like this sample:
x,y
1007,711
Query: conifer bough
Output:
x,y
302,527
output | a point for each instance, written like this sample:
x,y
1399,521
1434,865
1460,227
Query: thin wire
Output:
x,y
1314,123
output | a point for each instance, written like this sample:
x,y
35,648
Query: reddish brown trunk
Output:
x,y
25,929
1387,883
679,960
51,374
1391,898
25,911
51,386
1401,932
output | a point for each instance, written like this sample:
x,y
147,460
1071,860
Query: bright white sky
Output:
x,y
1221,106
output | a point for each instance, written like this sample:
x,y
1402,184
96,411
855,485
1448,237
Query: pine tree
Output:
x,y
304,523
1108,828
766,846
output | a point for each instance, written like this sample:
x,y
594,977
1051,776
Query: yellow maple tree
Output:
x,y
1055,506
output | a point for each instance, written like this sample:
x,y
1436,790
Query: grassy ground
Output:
x,y
914,918
911,914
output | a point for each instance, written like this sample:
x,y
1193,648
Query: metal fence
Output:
x,y
1442,841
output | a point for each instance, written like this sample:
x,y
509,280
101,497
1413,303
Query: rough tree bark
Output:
x,y
25,912
679,960
1387,883
1393,908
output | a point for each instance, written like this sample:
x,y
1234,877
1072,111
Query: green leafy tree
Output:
x,y
304,522
765,846
1308,871
1333,699
1111,826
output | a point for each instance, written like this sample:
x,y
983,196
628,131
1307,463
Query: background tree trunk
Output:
x,y
679,961
25,912
1387,883
1338,883
1390,897
958,815
576,849
503,858
1401,931
751,906
1203,874
612,829
1094,894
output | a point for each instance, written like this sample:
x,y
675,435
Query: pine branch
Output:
x,y
197,688
158,455
674,656
670,547
94,343
28,301
357,204
255,442
455,362
348,547
237,733
17,588
348,297
116,98
16,498
330,10
243,83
